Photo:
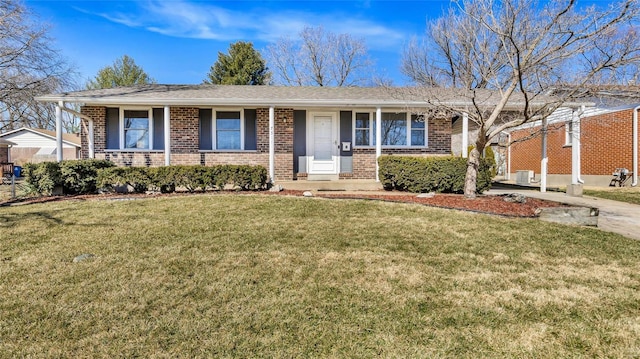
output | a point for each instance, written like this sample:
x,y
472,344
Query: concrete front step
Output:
x,y
340,185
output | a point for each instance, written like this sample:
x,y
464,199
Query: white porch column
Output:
x,y
465,134
167,136
545,159
378,140
59,131
575,148
90,140
272,144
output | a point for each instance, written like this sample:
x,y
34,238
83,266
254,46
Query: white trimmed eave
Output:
x,y
242,102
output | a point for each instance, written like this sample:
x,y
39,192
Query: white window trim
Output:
x,y
372,132
121,129
214,138
568,133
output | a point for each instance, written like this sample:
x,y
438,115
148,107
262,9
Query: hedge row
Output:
x,y
90,176
190,178
430,174
68,177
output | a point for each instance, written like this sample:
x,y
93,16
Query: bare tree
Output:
x,y
319,58
29,66
505,58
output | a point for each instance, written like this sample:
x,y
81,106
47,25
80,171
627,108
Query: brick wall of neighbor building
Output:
x,y
606,143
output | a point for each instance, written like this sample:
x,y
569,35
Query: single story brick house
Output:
x,y
595,142
326,133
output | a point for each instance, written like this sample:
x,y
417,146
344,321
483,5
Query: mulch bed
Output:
x,y
488,204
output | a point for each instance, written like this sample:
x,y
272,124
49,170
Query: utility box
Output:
x,y
524,177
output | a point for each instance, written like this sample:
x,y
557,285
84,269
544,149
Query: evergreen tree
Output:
x,y
242,66
123,72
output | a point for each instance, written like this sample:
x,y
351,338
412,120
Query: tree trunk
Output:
x,y
473,162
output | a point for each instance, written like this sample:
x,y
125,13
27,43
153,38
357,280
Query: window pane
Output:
x,y
228,140
362,137
394,129
136,129
227,115
136,139
417,137
417,122
228,124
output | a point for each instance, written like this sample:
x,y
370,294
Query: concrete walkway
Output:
x,y
618,217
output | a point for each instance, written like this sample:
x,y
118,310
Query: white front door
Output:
x,y
323,144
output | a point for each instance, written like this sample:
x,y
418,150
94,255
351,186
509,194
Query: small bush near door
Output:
x,y
430,174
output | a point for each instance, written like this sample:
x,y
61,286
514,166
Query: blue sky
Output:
x,y
177,41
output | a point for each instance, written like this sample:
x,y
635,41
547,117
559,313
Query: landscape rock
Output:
x,y
276,188
307,194
83,257
515,198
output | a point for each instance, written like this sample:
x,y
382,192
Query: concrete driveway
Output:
x,y
617,217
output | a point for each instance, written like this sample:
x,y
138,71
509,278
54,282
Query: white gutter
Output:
x,y
272,146
634,181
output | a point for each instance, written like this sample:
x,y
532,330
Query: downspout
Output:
x,y
272,146
576,162
378,141
634,176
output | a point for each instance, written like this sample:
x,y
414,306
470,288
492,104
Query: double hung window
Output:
x,y
397,129
136,129
228,130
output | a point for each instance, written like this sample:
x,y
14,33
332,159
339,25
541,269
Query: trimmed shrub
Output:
x,y
136,179
80,176
239,177
430,174
43,178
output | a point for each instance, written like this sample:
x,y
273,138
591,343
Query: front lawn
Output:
x,y
629,195
271,276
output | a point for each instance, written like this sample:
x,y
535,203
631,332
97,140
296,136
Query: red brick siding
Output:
x,y
606,143
99,116
184,130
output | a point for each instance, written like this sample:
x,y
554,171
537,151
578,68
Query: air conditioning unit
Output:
x,y
524,177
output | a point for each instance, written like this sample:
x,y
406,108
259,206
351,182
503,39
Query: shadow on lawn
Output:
x,y
9,220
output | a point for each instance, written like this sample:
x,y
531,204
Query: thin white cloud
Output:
x,y
201,20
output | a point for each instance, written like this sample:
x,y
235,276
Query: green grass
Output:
x,y
629,195
271,276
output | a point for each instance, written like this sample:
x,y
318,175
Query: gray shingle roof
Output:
x,y
279,96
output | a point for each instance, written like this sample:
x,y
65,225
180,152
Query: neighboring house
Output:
x,y
37,145
295,132
604,137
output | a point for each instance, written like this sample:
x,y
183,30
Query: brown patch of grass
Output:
x,y
247,276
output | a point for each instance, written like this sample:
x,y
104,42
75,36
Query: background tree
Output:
x,y
123,72
29,66
320,58
242,66
521,50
